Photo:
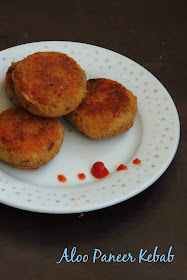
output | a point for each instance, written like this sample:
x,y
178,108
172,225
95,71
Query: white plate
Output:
x,y
153,139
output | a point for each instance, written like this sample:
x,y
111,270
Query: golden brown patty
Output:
x,y
107,110
9,84
49,84
28,141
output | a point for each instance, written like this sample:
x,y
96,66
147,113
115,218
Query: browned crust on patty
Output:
x,y
49,84
9,84
28,141
107,110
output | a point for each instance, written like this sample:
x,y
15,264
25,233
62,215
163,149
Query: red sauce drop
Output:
x,y
81,176
99,171
122,167
62,178
136,161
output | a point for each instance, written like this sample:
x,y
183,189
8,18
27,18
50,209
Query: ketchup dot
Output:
x,y
99,171
136,161
62,178
122,167
81,176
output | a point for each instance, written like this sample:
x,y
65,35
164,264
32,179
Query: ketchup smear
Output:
x,y
122,167
136,161
62,178
81,176
99,171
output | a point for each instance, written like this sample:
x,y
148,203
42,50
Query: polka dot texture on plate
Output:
x,y
157,121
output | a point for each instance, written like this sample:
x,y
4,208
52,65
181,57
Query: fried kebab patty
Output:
x,y
28,141
107,110
49,84
9,84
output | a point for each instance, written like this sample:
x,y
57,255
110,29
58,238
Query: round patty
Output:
x,y
9,84
28,141
107,110
49,84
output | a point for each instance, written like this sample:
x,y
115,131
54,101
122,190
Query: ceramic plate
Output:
x,y
153,139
